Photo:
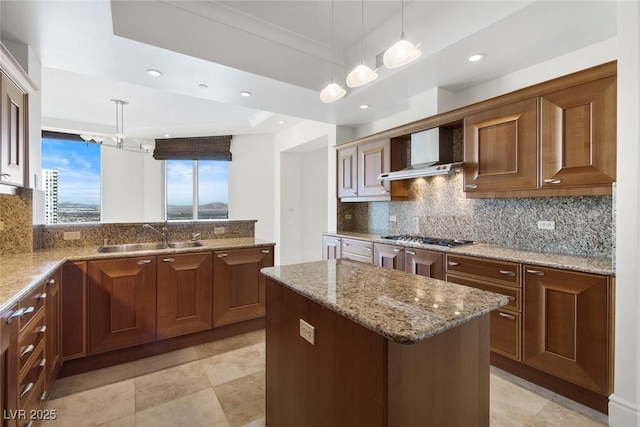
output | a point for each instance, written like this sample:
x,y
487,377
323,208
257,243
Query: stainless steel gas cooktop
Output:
x,y
427,240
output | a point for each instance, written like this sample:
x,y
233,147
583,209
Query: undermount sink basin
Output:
x,y
136,247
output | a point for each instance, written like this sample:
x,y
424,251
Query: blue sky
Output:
x,y
78,166
212,182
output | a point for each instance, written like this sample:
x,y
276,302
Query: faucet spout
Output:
x,y
162,233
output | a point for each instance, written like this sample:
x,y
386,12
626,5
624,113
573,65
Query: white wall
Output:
x,y
122,185
314,165
291,213
252,182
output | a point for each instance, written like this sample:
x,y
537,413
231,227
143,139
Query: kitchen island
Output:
x,y
351,344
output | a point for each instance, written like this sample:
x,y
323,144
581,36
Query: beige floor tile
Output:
x,y
260,422
88,380
581,409
128,421
222,346
513,404
256,337
169,384
521,382
165,360
93,407
553,414
243,399
262,349
196,410
233,365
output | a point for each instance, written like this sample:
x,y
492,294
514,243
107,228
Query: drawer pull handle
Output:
x,y
536,272
471,185
42,296
26,389
168,259
367,248
355,193
144,261
553,181
42,329
51,282
396,250
30,423
17,313
27,310
510,298
384,191
345,244
42,363
222,255
265,251
453,263
28,349
43,396
410,252
508,273
337,240
507,316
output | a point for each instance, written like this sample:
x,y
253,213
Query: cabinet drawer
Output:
x,y
354,257
34,400
29,377
31,340
31,304
505,333
358,247
515,301
503,271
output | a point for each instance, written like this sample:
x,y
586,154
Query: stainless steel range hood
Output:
x,y
431,154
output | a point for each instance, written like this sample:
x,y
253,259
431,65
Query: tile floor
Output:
x,y
222,384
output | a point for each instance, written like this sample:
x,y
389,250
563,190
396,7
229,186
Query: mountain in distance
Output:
x,y
215,206
74,205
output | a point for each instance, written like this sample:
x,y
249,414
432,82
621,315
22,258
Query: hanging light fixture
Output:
x,y
362,74
119,135
333,91
401,53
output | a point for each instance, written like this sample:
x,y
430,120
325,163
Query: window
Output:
x,y
197,189
71,179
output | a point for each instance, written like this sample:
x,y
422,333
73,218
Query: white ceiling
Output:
x,y
280,51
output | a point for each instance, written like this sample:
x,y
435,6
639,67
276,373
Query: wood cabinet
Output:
x,y
357,250
348,172
331,247
578,135
500,148
53,348
9,366
74,307
374,158
122,303
388,256
424,263
568,326
496,276
238,286
184,289
12,132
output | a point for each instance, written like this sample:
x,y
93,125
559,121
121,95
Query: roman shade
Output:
x,y
196,148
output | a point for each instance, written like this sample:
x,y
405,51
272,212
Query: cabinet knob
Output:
x,y
553,181
396,249
410,252
42,363
345,244
536,272
265,251
42,329
144,261
42,296
168,259
28,349
26,389
472,186
507,316
366,248
508,273
384,191
453,263
222,255
51,282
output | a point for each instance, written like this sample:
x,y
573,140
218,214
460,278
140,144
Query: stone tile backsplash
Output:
x,y
16,213
437,207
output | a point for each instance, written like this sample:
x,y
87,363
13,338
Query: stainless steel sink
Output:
x,y
185,244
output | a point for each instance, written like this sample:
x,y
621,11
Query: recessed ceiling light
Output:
x,y
203,86
281,122
154,73
475,58
245,94
364,106
166,135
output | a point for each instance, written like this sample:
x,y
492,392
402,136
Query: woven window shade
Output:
x,y
197,148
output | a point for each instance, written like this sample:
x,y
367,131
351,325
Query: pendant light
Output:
x,y
333,91
401,53
119,135
362,74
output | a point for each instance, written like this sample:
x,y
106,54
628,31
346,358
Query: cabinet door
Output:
x,y
500,148
53,337
567,326
184,294
12,138
331,247
578,135
74,307
122,303
388,256
347,172
238,286
9,366
374,158
424,263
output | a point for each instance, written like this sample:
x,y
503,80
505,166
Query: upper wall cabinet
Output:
x,y
348,172
578,135
500,148
12,135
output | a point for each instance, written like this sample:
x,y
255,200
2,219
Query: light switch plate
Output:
x,y
347,216
218,230
308,332
71,235
392,218
546,225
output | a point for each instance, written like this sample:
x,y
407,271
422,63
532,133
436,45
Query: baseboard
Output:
x,y
623,413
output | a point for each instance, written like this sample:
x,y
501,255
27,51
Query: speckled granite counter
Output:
x,y
20,272
566,262
403,307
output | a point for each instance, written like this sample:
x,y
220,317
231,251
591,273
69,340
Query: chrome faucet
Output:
x,y
194,236
163,233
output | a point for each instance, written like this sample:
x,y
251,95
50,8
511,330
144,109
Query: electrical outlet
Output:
x,y
218,230
71,235
308,332
546,225
347,216
392,218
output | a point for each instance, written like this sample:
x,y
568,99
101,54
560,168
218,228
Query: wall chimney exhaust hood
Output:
x,y
431,154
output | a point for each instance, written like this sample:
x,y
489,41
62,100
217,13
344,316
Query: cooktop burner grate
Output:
x,y
428,240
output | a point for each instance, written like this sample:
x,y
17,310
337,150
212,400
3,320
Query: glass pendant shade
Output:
x,y
401,53
332,93
361,75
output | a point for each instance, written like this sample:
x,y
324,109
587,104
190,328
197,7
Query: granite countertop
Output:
x,y
21,272
482,250
402,307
